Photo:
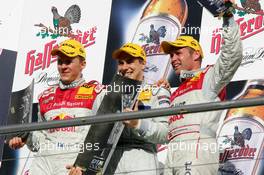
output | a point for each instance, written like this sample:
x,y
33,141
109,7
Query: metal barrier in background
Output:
x,y
202,107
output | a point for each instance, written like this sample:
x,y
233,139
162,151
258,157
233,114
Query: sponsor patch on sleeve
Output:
x,y
86,90
166,101
145,95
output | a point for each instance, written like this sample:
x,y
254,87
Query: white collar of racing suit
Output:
x,y
72,84
185,74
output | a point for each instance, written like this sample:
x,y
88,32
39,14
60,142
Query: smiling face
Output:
x,y
185,59
131,67
70,69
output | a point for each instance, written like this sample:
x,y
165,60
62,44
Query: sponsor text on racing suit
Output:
x,y
192,148
59,147
136,151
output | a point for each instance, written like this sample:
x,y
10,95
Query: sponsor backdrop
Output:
x,y
10,23
131,21
252,33
40,33
31,28
104,26
241,132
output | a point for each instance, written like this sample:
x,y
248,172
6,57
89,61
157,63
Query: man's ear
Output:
x,y
197,55
83,64
143,64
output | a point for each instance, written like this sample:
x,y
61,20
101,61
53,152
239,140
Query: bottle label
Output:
x,y
241,142
151,31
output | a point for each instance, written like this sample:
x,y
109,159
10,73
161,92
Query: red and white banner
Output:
x,y
35,42
28,27
252,34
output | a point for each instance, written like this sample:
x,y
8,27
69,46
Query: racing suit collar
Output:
x,y
185,74
72,84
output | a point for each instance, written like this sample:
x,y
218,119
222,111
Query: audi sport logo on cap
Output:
x,y
132,49
81,50
67,44
70,48
193,43
181,39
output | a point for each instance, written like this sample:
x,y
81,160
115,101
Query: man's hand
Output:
x,y
229,13
74,170
132,123
163,83
16,143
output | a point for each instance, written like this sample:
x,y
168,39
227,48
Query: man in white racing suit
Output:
x,y
136,151
192,145
71,98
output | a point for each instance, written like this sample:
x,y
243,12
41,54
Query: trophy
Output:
x,y
122,93
216,7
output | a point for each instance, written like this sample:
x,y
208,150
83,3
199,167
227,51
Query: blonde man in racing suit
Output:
x,y
136,151
71,98
192,145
